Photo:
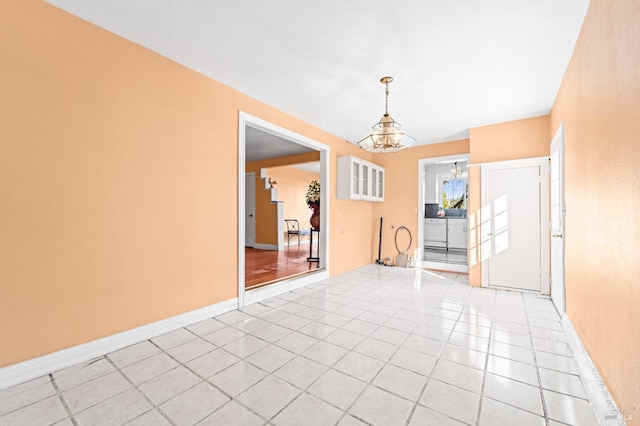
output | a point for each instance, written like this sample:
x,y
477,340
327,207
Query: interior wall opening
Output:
x,y
279,166
443,197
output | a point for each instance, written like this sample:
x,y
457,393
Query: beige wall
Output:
x,y
512,140
118,184
599,103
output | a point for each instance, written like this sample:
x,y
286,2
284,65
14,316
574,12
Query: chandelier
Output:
x,y
455,170
386,135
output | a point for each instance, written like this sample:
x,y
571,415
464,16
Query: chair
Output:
x,y
293,229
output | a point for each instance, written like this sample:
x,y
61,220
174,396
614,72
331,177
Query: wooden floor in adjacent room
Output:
x,y
266,266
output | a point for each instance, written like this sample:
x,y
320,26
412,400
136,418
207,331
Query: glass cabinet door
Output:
x,y
365,180
374,182
355,184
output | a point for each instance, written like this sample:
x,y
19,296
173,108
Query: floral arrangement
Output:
x,y
313,194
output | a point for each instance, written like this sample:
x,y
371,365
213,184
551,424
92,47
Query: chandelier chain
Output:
x,y
386,99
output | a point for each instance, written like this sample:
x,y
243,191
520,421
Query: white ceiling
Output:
x,y
456,64
261,145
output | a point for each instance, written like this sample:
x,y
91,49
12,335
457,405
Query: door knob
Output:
x,y
556,235
250,215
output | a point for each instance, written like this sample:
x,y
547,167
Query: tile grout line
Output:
x,y
446,342
539,387
274,343
139,391
453,329
367,384
205,380
370,382
62,400
345,412
486,358
535,360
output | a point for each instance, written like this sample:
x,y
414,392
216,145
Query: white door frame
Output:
x,y
543,163
558,290
262,293
441,266
250,231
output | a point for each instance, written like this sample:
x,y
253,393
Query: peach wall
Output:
x,y
293,184
117,176
351,232
400,207
599,102
512,140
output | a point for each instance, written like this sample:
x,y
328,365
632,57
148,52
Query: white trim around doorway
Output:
x,y
420,262
245,119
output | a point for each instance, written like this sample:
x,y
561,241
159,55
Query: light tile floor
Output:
x,y
378,346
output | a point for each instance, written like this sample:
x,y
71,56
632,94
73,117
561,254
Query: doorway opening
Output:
x,y
442,222
261,225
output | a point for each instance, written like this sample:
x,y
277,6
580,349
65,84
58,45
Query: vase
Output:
x,y
315,217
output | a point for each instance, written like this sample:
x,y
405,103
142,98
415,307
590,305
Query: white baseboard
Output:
x,y
603,404
441,266
266,246
27,370
272,290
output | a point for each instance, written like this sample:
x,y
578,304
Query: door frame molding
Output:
x,y
543,163
419,255
559,138
244,120
254,218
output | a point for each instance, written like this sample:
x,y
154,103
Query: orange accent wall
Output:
x,y
599,103
400,207
527,138
118,179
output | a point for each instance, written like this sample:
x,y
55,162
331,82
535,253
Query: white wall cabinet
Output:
x,y
360,180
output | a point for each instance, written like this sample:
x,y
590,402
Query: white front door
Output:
x,y
250,209
557,220
511,229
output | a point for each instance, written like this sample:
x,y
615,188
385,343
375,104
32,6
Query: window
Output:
x,y
453,193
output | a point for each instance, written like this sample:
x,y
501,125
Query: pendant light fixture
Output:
x,y
386,135
455,170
